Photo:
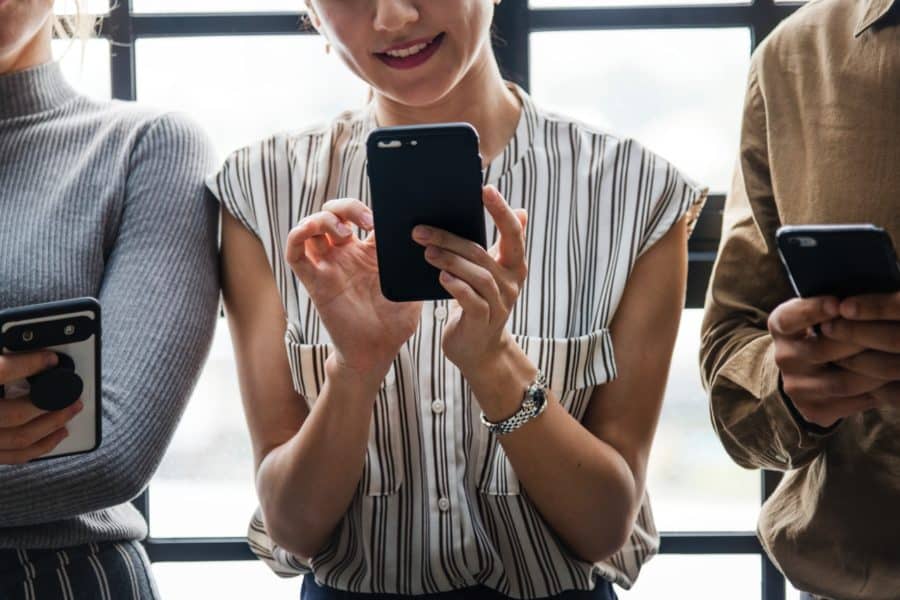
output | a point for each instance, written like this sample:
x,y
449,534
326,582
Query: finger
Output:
x,y
510,226
18,411
352,210
811,353
471,303
873,307
889,394
25,436
19,366
878,365
42,447
478,278
316,225
327,225
445,240
795,317
828,413
874,335
832,383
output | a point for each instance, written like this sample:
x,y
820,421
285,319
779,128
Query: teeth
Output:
x,y
403,53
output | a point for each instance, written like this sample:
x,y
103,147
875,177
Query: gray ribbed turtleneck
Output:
x,y
105,199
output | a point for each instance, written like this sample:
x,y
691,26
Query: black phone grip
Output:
x,y
56,388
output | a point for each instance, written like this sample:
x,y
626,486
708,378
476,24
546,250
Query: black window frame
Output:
x,y
514,22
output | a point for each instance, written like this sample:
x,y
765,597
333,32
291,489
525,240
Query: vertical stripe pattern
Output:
x,y
439,505
104,571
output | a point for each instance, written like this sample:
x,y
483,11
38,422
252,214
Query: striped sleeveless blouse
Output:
x,y
439,506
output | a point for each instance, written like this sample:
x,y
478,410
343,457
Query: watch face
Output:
x,y
538,397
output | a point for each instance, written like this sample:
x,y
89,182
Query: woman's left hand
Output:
x,y
485,284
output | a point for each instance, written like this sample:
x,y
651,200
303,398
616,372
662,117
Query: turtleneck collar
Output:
x,y
33,91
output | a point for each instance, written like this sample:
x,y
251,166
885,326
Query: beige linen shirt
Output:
x,y
820,143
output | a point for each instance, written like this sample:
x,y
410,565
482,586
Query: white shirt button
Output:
x,y
437,406
444,504
440,313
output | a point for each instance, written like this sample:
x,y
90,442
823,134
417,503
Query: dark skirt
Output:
x,y
105,571
313,591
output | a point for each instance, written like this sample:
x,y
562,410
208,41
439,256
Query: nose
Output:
x,y
394,15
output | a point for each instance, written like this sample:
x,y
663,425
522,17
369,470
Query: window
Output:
x,y
669,72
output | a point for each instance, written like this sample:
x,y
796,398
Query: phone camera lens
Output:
x,y
27,336
69,330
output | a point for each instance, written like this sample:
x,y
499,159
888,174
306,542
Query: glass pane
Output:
x,y
679,92
198,6
244,89
224,580
85,65
698,578
70,7
693,484
204,487
792,593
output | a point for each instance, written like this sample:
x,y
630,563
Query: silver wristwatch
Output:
x,y
533,404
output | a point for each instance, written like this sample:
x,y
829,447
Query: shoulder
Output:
x,y
794,45
287,148
133,123
601,150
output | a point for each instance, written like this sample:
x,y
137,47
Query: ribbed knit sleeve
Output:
x,y
159,294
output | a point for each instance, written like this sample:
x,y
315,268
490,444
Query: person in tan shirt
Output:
x,y
820,144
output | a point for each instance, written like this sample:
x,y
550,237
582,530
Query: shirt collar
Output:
x,y
873,11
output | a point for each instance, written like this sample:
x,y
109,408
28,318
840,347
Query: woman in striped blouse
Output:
x,y
375,472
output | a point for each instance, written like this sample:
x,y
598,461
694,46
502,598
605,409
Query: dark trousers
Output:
x,y
313,591
104,571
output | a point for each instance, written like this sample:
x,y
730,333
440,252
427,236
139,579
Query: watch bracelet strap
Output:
x,y
523,415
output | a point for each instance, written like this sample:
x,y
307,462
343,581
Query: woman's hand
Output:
x,y
485,284
340,273
27,432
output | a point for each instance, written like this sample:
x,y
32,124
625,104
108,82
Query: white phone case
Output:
x,y
84,429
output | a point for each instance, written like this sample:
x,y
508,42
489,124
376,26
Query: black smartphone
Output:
x,y
71,328
839,260
422,175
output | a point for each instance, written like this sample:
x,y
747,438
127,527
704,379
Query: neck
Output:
x,y
494,112
36,51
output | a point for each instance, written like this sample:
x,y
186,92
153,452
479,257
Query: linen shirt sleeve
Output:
x,y
749,412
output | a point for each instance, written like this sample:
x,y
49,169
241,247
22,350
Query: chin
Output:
x,y
420,94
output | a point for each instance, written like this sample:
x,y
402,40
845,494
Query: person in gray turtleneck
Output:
x,y
100,199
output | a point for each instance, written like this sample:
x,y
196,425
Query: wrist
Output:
x,y
499,381
350,378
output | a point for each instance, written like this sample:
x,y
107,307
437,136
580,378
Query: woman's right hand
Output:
x,y
27,432
340,273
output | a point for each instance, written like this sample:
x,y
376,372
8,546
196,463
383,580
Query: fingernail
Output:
x,y
52,359
851,309
422,233
432,252
832,307
447,276
343,230
367,220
